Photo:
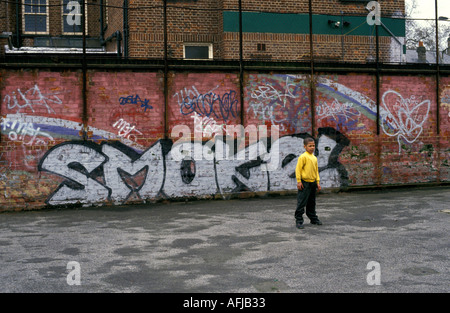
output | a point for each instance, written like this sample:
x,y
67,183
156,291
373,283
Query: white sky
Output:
x,y
425,8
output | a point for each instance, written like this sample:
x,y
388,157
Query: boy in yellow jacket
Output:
x,y
308,180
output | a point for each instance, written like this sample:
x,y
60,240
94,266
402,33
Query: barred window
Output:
x,y
35,16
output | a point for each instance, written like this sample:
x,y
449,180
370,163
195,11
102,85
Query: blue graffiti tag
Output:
x,y
136,100
210,104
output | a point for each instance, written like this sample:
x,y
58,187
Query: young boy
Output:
x,y
308,180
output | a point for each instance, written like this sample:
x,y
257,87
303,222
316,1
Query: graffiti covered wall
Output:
x,y
128,158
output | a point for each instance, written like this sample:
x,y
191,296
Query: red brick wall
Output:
x,y
347,103
31,98
412,144
444,127
41,154
197,94
128,105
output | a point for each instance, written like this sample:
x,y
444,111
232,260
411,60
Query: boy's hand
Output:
x,y
318,187
299,186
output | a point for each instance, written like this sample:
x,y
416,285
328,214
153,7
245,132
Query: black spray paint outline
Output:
x,y
333,160
187,166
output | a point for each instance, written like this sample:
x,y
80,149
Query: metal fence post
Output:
x,y
84,71
438,77
312,81
438,100
241,65
166,66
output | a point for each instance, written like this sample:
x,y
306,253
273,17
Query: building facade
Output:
x,y
276,30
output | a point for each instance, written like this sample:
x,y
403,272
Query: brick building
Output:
x,y
54,26
275,30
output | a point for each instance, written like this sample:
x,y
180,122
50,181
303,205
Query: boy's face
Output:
x,y
310,147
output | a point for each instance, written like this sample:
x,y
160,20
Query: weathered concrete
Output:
x,y
248,245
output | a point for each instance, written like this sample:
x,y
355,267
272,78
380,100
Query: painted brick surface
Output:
x,y
347,103
444,126
278,99
126,106
210,99
128,158
408,136
39,110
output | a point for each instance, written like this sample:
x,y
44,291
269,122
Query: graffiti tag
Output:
x,y
136,100
403,118
30,99
223,107
126,129
24,132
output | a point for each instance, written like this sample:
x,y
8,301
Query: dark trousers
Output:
x,y
306,198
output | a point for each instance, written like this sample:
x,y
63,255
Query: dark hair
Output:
x,y
308,140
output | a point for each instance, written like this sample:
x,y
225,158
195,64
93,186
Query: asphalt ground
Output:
x,y
383,241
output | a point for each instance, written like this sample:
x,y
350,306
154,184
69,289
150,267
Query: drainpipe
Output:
x,y
378,86
125,28
84,73
118,37
17,24
378,77
7,17
102,31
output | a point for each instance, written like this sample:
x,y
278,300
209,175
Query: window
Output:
x,y
197,51
35,16
72,17
261,47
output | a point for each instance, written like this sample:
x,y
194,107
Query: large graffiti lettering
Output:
x,y
123,158
330,145
403,118
94,173
76,163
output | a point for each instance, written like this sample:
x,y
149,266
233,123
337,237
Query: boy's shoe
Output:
x,y
299,225
316,222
